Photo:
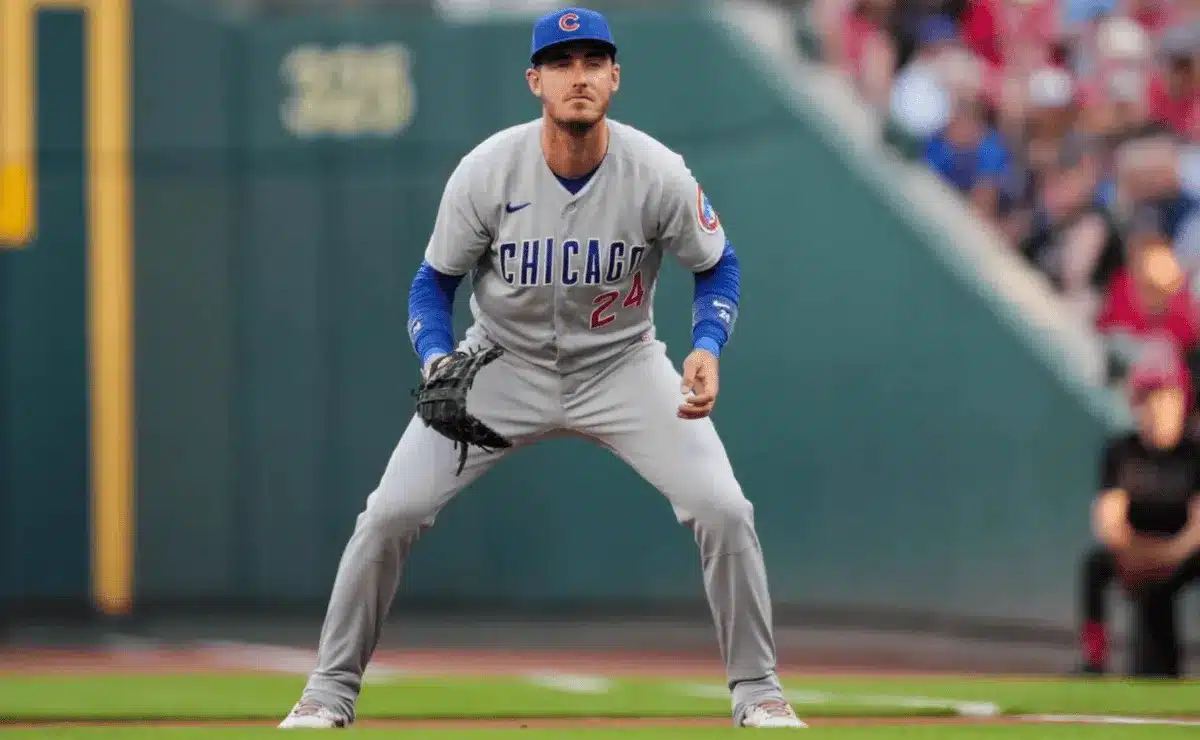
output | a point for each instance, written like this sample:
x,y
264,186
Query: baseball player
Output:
x,y
563,223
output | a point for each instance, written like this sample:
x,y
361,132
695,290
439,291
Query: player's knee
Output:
x,y
399,514
724,524
733,513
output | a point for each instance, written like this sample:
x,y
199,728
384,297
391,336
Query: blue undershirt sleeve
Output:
x,y
715,307
430,311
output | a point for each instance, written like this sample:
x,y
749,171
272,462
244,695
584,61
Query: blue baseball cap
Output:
x,y
570,24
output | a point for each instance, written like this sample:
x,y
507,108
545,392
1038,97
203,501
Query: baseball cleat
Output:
x,y
772,713
307,715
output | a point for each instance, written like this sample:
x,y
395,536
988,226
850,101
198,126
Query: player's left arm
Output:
x,y
715,302
714,311
691,230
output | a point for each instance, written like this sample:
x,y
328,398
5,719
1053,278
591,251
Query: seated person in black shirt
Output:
x,y
1147,520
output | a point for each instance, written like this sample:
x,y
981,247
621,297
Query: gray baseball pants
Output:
x,y
629,407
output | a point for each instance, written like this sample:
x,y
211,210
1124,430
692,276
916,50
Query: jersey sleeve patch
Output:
x,y
705,214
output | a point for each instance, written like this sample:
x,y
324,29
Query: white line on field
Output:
x,y
963,708
1108,720
286,660
570,683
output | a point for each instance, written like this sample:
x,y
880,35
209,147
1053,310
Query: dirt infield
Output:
x,y
239,659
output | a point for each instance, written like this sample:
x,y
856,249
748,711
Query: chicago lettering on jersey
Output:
x,y
550,261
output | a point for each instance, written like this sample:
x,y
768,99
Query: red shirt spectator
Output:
x,y
1153,15
1126,311
980,23
1180,112
1174,94
857,32
1029,31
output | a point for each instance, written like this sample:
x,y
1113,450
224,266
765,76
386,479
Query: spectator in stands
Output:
x,y
1155,16
1032,35
906,25
1174,93
1146,519
1073,240
1152,15
970,155
1149,304
1113,97
920,96
858,41
1002,95
1149,171
1051,117
1043,130
1114,111
981,24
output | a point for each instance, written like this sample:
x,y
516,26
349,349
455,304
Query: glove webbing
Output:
x,y
442,402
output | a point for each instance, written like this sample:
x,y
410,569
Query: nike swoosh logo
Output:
x,y
718,304
510,208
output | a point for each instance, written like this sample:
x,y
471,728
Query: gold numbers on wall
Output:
x,y
348,90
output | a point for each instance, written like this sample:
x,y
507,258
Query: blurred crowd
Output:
x,y
1071,126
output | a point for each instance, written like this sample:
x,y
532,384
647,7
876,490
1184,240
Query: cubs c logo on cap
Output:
x,y
705,215
569,22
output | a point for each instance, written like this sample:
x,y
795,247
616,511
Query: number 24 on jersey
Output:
x,y
601,316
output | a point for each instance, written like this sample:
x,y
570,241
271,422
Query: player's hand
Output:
x,y
1147,560
699,384
1187,543
429,365
1135,570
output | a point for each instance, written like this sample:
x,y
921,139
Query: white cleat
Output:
x,y
771,713
310,716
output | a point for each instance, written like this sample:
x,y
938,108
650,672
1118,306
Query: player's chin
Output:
x,y
580,120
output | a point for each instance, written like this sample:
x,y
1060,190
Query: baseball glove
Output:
x,y
442,402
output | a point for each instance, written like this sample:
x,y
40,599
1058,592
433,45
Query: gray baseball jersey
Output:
x,y
566,281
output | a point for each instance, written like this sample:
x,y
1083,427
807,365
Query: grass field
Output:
x,y
982,732
239,705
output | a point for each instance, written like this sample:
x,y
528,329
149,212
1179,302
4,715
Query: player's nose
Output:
x,y
578,75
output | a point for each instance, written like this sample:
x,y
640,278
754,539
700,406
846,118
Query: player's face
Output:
x,y
576,85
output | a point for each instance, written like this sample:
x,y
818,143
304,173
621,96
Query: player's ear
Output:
x,y
534,78
616,76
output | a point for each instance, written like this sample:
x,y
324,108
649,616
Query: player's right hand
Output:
x,y
699,385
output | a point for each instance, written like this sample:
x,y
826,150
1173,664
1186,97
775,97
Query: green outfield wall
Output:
x,y
904,447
